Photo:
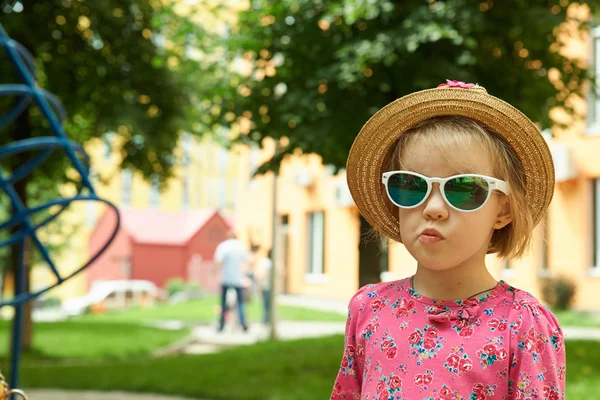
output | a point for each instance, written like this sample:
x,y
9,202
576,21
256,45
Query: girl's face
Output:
x,y
465,235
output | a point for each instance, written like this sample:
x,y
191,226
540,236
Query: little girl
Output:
x,y
454,174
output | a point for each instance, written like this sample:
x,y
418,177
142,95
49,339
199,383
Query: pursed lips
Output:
x,y
430,236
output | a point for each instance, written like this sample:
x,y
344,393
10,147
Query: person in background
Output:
x,y
233,258
263,273
250,283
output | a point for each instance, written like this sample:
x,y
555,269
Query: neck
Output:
x,y
456,283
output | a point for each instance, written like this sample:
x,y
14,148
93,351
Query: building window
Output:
x,y
185,203
594,101
126,182
222,183
596,224
154,192
210,150
198,193
187,147
223,160
253,160
232,196
315,243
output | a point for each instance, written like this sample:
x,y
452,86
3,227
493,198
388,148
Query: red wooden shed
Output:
x,y
157,246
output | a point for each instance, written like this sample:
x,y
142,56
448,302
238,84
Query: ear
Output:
x,y
505,215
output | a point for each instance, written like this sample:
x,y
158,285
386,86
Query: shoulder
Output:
x,y
220,247
237,246
536,347
224,244
237,243
525,305
530,318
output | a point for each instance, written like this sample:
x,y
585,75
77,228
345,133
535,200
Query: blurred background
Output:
x,y
206,117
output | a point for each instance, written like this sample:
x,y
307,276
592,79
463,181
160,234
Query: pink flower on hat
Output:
x,y
459,84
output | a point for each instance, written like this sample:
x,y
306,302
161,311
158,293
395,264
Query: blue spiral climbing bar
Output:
x,y
52,110
16,58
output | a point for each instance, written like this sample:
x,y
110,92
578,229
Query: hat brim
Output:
x,y
380,133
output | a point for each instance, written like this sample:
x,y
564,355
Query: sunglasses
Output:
x,y
466,192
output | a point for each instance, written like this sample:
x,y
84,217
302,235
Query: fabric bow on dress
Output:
x,y
445,315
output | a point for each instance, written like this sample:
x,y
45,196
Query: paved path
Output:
x,y
47,394
339,306
574,333
205,338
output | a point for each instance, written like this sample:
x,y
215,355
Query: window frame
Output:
x,y
595,228
593,116
315,246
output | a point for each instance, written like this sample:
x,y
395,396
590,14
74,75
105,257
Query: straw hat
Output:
x,y
378,136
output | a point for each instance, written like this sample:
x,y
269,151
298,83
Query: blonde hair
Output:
x,y
514,240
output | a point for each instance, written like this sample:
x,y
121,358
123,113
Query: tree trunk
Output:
x,y
22,131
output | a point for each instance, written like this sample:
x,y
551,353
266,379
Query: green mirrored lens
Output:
x,y
466,192
406,190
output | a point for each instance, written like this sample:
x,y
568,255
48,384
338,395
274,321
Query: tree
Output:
x,y
315,71
114,70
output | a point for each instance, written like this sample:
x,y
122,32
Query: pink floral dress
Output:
x,y
401,345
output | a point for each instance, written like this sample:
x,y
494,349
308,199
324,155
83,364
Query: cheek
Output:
x,y
409,220
478,223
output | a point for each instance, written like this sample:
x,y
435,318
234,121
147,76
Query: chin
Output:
x,y
433,261
435,266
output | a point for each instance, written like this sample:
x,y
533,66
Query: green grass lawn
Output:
x,y
298,370
91,340
205,310
577,318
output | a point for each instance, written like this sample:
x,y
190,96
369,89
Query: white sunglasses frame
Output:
x,y
494,184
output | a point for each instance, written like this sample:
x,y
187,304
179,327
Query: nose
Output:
x,y
435,206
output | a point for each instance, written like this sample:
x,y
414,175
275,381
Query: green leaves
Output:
x,y
114,69
346,59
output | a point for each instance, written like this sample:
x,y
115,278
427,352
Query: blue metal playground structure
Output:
x,y
21,221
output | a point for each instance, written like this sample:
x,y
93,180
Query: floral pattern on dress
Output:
x,y
403,308
533,342
347,367
458,362
370,329
388,347
425,343
482,392
388,387
423,380
444,393
490,353
401,345
497,324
